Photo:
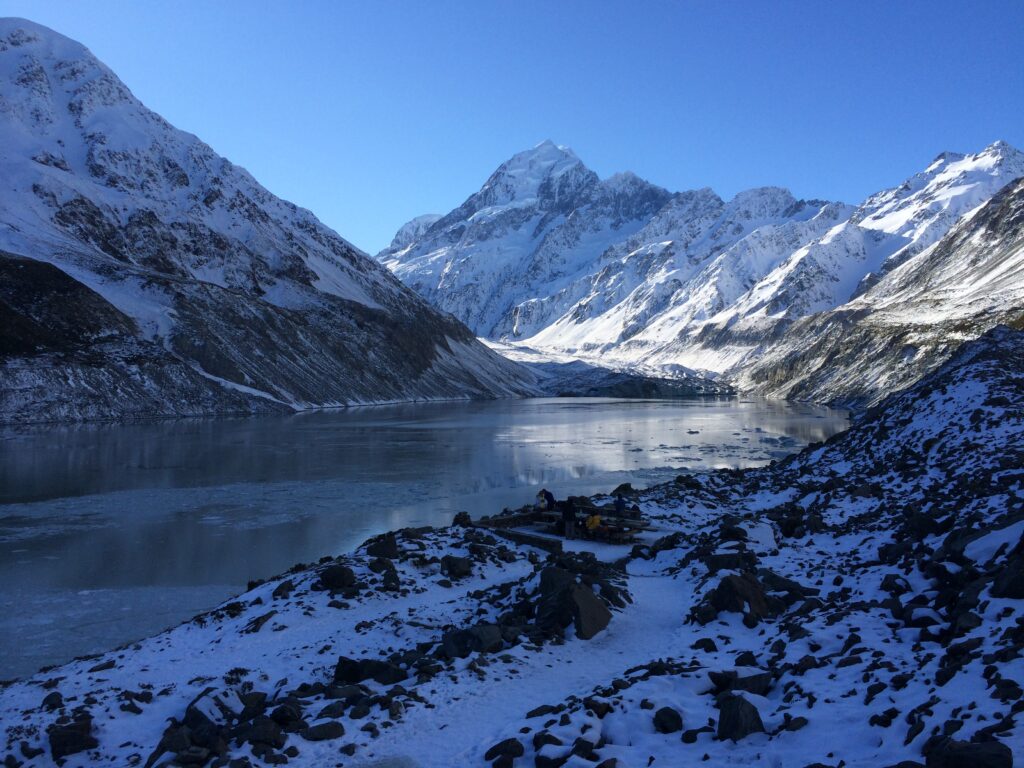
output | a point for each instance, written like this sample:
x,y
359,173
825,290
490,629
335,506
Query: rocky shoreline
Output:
x,y
857,604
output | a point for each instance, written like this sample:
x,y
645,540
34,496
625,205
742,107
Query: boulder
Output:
x,y
738,718
283,589
509,747
337,576
263,731
327,731
384,546
740,594
1009,581
589,614
483,638
348,671
71,738
668,720
947,753
456,567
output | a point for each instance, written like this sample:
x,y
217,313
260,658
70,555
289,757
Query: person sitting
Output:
x,y
545,500
593,523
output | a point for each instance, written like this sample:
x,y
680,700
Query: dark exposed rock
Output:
x,y
947,753
509,747
337,576
668,720
738,718
349,671
742,593
71,738
332,729
385,545
483,638
456,567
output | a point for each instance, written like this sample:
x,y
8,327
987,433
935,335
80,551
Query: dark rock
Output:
x,y
1009,581
509,747
332,729
332,710
284,589
948,753
598,706
483,638
794,723
463,520
53,700
350,671
456,567
286,713
740,594
589,614
690,736
337,577
668,720
72,738
384,546
705,644
738,718
264,731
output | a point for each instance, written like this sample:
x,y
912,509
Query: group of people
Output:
x,y
593,523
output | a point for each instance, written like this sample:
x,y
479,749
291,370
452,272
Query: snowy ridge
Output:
x,y
859,602
701,284
220,280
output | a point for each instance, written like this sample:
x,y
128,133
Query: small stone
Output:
x,y
668,720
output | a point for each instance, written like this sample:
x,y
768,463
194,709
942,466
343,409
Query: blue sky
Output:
x,y
371,113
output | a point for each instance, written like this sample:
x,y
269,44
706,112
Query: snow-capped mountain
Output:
x,y
702,284
192,288
912,320
549,253
539,220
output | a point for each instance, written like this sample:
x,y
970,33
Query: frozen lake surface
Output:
x,y
112,533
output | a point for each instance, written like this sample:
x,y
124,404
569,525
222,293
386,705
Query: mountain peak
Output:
x,y
1001,150
762,202
526,175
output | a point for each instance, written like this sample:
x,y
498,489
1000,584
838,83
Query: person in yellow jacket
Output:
x,y
593,522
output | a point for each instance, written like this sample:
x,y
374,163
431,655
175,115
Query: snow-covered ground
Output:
x,y
857,604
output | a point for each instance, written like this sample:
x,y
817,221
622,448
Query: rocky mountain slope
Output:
x,y
857,604
702,284
914,318
145,275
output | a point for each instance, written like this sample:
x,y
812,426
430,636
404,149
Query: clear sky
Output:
x,y
372,112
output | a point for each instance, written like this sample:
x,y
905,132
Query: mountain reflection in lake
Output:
x,y
112,532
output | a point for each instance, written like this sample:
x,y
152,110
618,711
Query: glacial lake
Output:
x,y
111,533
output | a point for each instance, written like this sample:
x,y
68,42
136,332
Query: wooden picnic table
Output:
x,y
617,529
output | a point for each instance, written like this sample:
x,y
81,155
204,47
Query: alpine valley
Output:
x,y
857,603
